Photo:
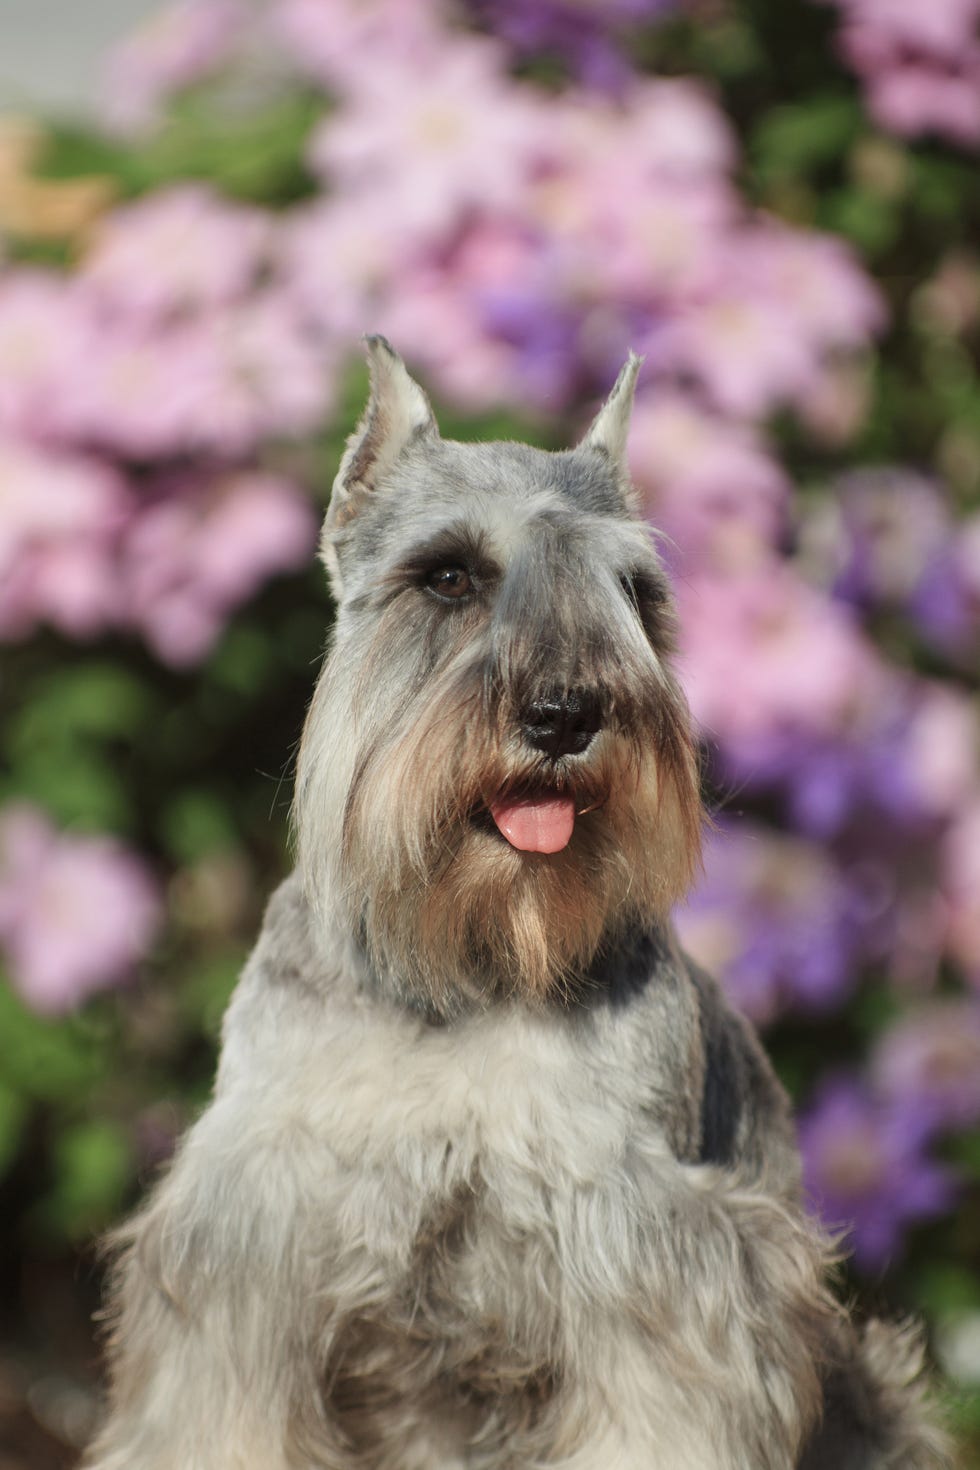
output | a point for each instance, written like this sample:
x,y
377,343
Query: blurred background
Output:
x,y
778,203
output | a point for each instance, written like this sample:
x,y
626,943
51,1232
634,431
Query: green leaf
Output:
x,y
92,1168
197,823
46,1058
794,139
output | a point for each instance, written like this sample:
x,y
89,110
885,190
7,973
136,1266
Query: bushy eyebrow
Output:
x,y
455,544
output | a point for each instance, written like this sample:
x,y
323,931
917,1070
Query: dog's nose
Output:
x,y
562,723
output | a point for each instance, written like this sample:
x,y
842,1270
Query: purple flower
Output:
x,y
961,887
202,548
929,1062
775,920
585,35
76,913
865,1171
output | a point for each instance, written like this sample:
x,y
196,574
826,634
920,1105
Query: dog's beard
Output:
x,y
448,909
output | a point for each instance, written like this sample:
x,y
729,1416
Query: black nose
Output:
x,y
562,723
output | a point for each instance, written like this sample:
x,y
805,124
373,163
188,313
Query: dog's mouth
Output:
x,y
541,821
535,823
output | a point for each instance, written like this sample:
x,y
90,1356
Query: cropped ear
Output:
x,y
397,414
611,424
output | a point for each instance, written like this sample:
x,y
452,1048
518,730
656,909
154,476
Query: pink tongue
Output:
x,y
543,825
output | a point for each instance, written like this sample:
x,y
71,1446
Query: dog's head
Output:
x,y
497,773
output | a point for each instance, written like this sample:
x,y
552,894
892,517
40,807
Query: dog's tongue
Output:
x,y
542,824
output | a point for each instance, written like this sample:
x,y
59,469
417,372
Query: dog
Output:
x,y
492,1178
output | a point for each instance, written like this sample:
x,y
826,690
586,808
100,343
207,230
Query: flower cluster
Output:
x,y
164,344
514,239
76,912
920,64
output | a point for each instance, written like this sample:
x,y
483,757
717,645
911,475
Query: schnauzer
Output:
x,y
492,1176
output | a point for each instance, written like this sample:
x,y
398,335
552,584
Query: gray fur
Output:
x,y
492,1178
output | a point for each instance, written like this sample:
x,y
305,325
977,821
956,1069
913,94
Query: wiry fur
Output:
x,y
492,1179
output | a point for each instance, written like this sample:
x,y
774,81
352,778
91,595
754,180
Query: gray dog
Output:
x,y
492,1177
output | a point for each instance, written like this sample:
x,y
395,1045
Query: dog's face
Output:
x,y
497,773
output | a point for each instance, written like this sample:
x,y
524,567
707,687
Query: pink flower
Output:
x,y
679,131
263,374
76,913
60,516
911,98
140,390
434,140
711,486
335,259
201,549
180,248
175,47
218,382
329,39
759,335
44,339
930,1062
744,349
764,654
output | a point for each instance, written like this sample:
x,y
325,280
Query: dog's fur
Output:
x,y
492,1177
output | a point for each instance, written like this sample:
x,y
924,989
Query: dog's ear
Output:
x,y
397,414
610,427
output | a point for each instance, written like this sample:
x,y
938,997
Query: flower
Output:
x,y
712,487
330,41
865,1170
435,141
44,344
583,34
201,548
929,1062
775,920
60,517
174,47
76,912
181,248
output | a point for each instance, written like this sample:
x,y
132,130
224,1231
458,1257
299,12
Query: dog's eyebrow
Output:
x,y
455,543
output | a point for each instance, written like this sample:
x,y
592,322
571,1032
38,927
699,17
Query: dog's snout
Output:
x,y
563,722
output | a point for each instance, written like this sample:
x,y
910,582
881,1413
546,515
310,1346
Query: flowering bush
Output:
x,y
771,200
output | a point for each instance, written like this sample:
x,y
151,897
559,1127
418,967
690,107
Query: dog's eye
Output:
x,y
449,583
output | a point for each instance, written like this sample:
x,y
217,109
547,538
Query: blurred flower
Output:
x,y
920,63
178,45
180,248
76,912
961,875
217,382
929,1063
712,487
780,301
946,602
584,33
763,655
874,539
435,140
44,340
865,1171
60,517
329,39
775,920
204,547
335,259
